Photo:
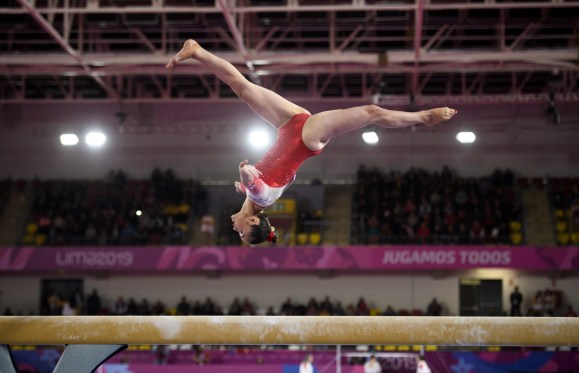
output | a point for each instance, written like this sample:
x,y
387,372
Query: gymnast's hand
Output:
x,y
248,173
239,188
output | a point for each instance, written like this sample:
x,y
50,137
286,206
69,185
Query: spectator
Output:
x,y
77,301
67,310
144,308
326,305
516,301
307,364
93,303
339,310
434,308
549,302
570,312
121,307
362,308
235,308
208,229
389,311
372,366
132,307
183,308
421,365
158,308
538,304
287,308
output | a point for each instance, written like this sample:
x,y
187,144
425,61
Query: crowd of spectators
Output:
x,y
543,303
564,193
418,206
116,211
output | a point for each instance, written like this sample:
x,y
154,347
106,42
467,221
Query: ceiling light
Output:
x,y
259,138
95,139
466,137
68,139
370,137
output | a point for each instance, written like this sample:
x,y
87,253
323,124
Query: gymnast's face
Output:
x,y
242,225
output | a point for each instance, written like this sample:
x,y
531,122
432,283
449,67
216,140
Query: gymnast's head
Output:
x,y
254,229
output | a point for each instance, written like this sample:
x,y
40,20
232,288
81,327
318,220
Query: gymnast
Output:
x,y
300,135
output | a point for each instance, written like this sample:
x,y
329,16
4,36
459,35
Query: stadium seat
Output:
x,y
562,226
28,239
31,228
563,238
516,238
515,226
302,238
560,213
315,238
375,312
575,238
40,239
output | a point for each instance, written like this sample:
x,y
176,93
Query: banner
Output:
x,y
44,361
236,258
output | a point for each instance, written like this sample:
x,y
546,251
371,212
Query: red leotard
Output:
x,y
281,162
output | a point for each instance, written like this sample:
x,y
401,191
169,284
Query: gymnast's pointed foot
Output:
x,y
189,49
438,115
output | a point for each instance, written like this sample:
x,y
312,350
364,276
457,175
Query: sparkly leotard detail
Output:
x,y
281,163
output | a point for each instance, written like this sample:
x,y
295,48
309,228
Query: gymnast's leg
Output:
x,y
267,104
322,127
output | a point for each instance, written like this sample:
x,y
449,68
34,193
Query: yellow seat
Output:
x,y
516,238
375,312
575,238
31,228
562,226
559,213
40,239
302,238
516,226
563,238
315,238
28,239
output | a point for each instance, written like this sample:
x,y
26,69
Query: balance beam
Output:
x,y
325,330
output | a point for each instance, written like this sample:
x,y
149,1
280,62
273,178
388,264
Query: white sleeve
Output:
x,y
259,193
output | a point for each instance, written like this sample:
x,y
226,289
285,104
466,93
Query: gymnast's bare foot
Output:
x,y
189,49
438,115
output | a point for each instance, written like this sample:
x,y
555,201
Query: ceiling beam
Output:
x,y
556,57
157,8
238,39
46,26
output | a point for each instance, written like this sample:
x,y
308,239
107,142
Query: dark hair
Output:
x,y
262,232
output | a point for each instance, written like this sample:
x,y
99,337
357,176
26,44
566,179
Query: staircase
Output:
x,y
14,217
538,217
337,215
